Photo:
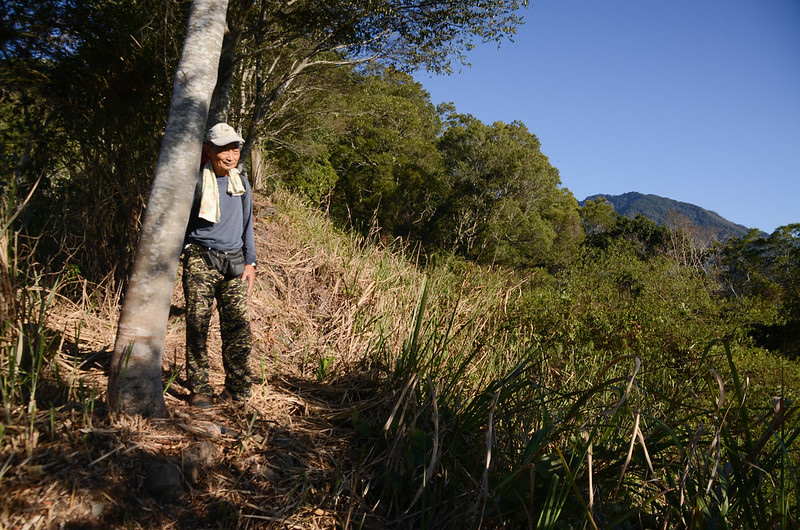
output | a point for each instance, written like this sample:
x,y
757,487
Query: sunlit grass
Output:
x,y
497,398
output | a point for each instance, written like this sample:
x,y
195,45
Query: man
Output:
x,y
219,262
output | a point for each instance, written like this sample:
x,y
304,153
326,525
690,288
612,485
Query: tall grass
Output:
x,y
30,349
493,408
21,339
498,409
487,427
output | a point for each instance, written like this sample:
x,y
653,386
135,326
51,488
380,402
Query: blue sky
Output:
x,y
698,101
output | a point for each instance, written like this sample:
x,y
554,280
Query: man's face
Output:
x,y
224,158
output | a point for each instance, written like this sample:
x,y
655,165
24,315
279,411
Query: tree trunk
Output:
x,y
134,384
220,101
257,165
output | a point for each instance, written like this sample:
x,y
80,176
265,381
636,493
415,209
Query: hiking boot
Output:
x,y
201,401
231,399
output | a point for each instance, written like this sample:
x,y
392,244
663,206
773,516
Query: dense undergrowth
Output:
x,y
620,393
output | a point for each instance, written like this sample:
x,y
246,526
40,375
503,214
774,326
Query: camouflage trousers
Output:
x,y
202,284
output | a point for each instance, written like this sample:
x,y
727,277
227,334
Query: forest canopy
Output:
x,y
324,97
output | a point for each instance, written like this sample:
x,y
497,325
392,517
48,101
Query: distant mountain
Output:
x,y
706,226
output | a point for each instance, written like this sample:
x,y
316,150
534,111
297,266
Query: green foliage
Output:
x,y
619,303
598,216
598,397
366,147
502,203
640,233
314,179
497,429
101,98
765,271
427,36
767,266
385,156
277,56
486,192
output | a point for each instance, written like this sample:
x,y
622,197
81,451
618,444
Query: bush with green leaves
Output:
x,y
599,398
534,436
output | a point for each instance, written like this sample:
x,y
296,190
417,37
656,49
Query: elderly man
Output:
x,y
219,262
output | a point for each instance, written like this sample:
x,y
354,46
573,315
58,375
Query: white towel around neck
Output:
x,y
209,202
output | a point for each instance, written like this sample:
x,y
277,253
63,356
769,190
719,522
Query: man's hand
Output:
x,y
249,276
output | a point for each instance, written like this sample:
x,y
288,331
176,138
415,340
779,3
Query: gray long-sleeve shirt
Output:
x,y
235,227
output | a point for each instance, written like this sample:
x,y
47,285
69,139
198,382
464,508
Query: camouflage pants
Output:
x,y
202,285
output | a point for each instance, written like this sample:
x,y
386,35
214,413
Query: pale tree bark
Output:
x,y
257,174
134,385
220,101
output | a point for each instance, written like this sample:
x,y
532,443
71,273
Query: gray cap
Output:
x,y
223,134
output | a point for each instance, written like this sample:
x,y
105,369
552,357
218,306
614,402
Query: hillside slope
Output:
x,y
278,461
386,392
707,225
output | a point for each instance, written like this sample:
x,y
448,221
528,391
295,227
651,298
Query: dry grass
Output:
x,y
329,441
285,460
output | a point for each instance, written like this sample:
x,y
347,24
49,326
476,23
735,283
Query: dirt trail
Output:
x,y
281,461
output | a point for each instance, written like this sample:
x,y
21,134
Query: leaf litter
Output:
x,y
285,459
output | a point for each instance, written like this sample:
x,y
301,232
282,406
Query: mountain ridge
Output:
x,y
705,225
